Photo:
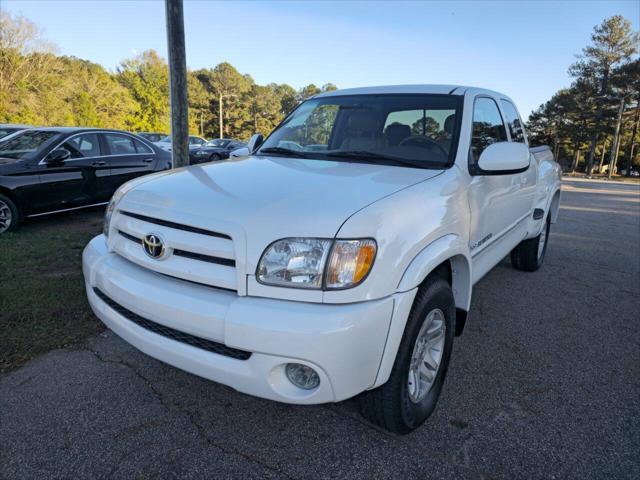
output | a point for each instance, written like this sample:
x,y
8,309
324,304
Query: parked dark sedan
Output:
x,y
46,170
217,149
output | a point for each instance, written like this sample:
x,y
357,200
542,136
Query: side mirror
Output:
x,y
58,155
239,152
255,142
503,158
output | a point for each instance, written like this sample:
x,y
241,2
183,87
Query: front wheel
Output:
x,y
409,397
8,214
529,254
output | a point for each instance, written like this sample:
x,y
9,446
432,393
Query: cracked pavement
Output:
x,y
544,383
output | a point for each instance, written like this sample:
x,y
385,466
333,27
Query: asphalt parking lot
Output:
x,y
545,383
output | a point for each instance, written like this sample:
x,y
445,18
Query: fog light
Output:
x,y
302,376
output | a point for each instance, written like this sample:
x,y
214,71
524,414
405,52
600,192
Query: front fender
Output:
x,y
450,248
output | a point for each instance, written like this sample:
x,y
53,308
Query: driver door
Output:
x,y
498,207
80,180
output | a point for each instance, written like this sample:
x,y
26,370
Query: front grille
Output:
x,y
204,258
168,332
183,253
177,226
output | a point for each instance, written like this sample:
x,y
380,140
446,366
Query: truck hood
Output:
x,y
266,198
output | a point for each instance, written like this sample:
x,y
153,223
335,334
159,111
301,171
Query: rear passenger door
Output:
x,y
82,179
128,158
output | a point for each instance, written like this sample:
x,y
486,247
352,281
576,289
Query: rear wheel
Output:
x,y
8,214
410,395
529,255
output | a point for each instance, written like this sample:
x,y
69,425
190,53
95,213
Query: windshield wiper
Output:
x,y
283,151
378,158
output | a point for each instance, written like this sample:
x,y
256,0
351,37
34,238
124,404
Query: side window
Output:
x,y
85,145
516,130
141,147
488,126
120,144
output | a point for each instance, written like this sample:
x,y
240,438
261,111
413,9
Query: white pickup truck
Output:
x,y
339,257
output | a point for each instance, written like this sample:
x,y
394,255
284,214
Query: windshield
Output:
x,y
27,145
413,130
166,139
9,130
217,143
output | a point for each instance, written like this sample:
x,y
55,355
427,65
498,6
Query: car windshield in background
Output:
x,y
217,143
410,130
166,139
8,131
27,145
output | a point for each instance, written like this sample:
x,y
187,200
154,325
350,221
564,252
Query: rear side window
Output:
x,y
85,145
516,130
120,144
488,126
141,147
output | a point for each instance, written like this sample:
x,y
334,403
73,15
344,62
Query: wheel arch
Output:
x,y
451,252
446,257
554,206
7,192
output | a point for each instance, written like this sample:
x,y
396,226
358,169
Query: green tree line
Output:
x,y
40,87
593,126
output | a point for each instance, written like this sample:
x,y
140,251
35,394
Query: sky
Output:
x,y
520,48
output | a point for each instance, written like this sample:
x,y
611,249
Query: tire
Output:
x,y
214,158
397,406
9,214
529,255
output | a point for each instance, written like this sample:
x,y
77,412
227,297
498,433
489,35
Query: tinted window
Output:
x,y
27,145
120,144
516,129
488,127
141,147
195,141
85,145
8,131
420,125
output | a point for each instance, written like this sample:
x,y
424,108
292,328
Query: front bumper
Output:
x,y
343,343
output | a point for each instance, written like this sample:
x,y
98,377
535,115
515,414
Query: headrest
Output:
x,y
450,123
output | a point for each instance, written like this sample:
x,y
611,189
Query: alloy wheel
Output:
x,y
427,355
6,217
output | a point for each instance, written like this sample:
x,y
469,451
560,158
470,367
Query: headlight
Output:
x,y
201,153
117,196
316,263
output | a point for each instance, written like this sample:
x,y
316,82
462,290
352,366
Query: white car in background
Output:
x,y
194,142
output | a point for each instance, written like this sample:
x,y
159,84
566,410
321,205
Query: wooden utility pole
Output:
x,y
177,83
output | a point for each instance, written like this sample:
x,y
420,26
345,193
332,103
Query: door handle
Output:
x,y
101,163
148,160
